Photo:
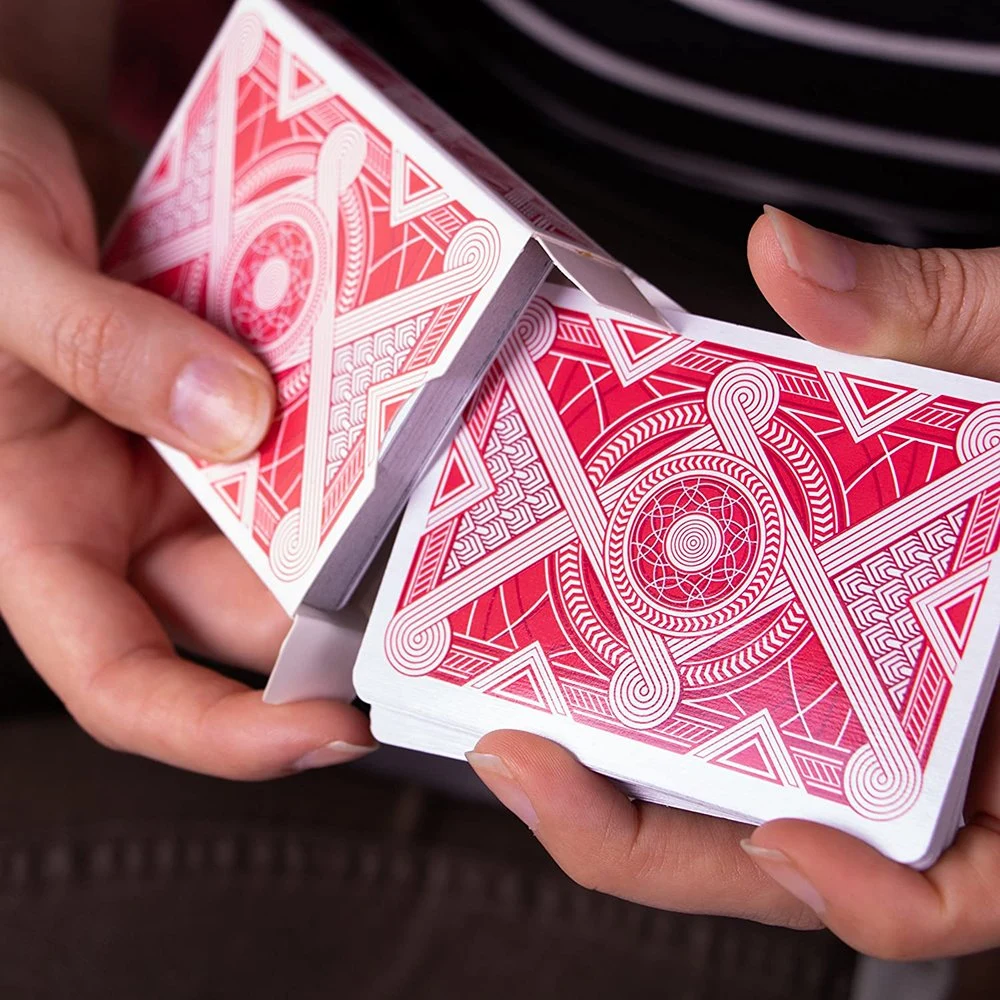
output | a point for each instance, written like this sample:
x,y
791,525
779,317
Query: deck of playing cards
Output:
x,y
735,572
316,206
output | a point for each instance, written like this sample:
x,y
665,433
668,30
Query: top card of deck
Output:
x,y
292,206
716,561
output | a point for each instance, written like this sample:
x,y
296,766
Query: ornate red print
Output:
x,y
281,213
748,560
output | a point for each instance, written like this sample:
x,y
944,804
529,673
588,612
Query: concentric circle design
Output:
x,y
536,328
876,793
272,284
588,620
694,543
414,646
247,42
275,279
979,433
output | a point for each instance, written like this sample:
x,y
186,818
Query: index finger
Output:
x,y
137,359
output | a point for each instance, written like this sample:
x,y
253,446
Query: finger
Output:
x,y
40,179
135,358
211,600
883,908
663,857
104,654
932,307
195,579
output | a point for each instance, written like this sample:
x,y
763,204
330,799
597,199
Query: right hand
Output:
x,y
933,307
101,548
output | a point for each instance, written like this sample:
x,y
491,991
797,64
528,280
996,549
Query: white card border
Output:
x,y
911,839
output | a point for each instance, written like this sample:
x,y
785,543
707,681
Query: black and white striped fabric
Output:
x,y
881,117
886,110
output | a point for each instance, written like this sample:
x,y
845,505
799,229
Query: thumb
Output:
x,y
932,307
135,358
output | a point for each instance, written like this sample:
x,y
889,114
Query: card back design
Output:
x,y
768,564
539,213
277,210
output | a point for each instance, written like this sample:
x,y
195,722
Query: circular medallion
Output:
x,y
274,282
694,543
588,619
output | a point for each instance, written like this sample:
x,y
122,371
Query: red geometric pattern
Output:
x,y
733,561
475,157
279,212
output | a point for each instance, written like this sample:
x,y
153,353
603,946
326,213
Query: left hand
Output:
x,y
933,307
102,550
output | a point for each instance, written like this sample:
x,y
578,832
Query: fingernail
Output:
x,y
223,408
497,777
337,752
814,254
777,865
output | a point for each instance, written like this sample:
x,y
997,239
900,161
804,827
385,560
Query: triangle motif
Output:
x,y
525,677
636,350
232,491
390,408
304,79
299,87
959,614
455,479
413,191
165,178
640,340
163,170
753,747
872,395
416,182
947,612
872,398
867,405
750,758
523,689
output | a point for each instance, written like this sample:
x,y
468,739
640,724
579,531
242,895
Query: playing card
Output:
x,y
447,133
728,568
296,206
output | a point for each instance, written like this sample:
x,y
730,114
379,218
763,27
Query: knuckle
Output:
x,y
23,199
12,209
586,860
577,864
97,726
799,919
615,860
89,347
583,871
891,942
947,294
642,854
101,706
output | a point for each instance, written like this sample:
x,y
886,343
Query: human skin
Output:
x,y
933,307
105,559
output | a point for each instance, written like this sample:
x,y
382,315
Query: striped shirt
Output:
x,y
881,116
877,117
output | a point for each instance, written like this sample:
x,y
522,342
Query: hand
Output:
x,y
933,307
99,543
